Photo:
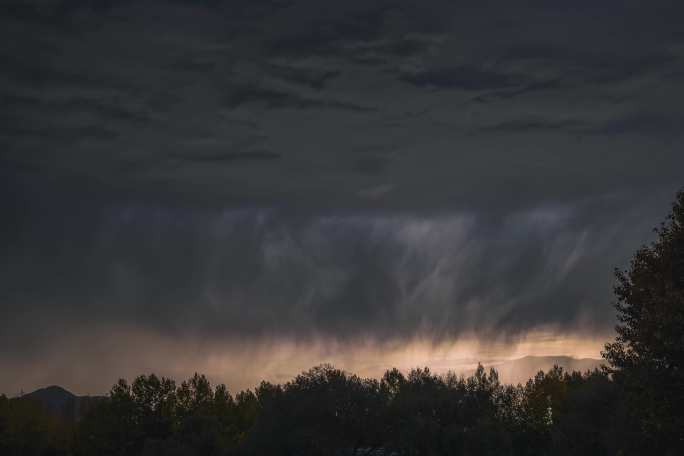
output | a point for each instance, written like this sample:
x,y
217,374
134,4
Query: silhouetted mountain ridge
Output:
x,y
62,402
522,369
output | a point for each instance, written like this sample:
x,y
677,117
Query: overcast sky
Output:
x,y
198,185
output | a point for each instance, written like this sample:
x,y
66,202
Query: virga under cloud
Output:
x,y
340,171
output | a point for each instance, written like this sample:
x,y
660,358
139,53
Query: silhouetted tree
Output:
x,y
155,417
584,417
647,357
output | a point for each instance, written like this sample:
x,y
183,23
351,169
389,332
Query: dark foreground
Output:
x,y
326,411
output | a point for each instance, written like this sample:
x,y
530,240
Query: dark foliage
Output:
x,y
647,356
326,411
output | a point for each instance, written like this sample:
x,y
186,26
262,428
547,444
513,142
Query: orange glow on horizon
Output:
x,y
244,364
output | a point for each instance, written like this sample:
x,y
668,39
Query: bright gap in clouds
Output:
x,y
242,364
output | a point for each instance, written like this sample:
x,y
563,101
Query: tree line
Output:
x,y
633,406
326,411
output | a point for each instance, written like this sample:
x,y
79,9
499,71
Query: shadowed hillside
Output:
x,y
521,369
62,403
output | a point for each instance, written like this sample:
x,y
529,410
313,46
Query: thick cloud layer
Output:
x,y
248,171
402,105
262,274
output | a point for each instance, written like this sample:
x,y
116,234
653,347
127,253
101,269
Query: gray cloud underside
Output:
x,y
504,93
296,169
263,274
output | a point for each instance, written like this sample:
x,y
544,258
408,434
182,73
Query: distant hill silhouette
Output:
x,y
522,369
61,402
53,398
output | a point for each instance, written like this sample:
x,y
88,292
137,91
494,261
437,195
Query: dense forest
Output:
x,y
634,405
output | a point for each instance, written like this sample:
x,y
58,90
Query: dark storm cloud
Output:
x,y
306,169
274,98
371,165
461,78
89,106
527,125
519,90
310,77
263,273
231,157
660,124
329,28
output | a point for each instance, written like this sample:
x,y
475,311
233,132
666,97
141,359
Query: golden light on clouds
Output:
x,y
91,363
